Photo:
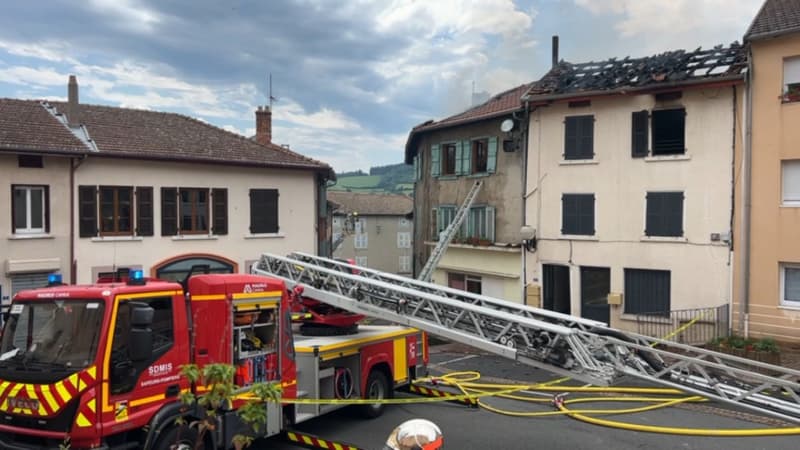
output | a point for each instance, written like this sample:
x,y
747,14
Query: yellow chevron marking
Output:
x,y
292,436
11,393
75,381
48,397
29,388
338,447
92,371
82,421
3,386
63,392
307,440
322,443
91,404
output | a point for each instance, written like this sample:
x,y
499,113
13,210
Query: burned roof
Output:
x,y
366,204
501,104
618,75
775,18
27,126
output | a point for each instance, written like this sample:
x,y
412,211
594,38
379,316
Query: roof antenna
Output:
x,y
271,98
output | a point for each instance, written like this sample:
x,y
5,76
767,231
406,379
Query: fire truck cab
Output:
x,y
99,365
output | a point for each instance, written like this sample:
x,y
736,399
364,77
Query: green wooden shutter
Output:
x,y
491,162
219,210
169,211
435,160
466,162
459,157
87,211
490,223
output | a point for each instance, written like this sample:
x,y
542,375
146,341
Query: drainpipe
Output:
x,y
744,288
524,136
73,277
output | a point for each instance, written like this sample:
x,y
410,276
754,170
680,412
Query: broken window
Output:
x,y
791,79
449,159
669,131
579,137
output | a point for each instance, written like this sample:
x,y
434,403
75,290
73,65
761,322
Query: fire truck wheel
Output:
x,y
178,438
377,388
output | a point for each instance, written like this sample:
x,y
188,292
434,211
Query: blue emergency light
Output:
x,y
54,279
136,276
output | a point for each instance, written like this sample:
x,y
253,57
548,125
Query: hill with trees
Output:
x,y
393,178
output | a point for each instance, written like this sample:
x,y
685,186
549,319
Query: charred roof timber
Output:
x,y
673,68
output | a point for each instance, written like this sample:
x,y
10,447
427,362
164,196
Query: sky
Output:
x,y
350,78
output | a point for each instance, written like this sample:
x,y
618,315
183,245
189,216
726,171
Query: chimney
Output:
x,y
73,106
555,51
264,125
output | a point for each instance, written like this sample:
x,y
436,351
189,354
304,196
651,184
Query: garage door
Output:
x,y
23,281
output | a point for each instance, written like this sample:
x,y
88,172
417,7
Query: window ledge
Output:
x,y
794,308
264,236
447,177
195,237
117,239
578,237
577,162
22,237
681,157
479,175
673,239
790,204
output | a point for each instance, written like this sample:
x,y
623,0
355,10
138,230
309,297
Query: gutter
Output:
x,y
744,288
73,264
721,81
771,34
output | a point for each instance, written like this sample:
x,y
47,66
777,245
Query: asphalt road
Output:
x,y
468,428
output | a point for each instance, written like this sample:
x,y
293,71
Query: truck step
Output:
x,y
302,417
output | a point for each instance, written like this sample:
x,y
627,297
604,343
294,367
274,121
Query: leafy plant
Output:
x,y
767,345
222,390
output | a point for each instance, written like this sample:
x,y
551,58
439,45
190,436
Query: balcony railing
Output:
x,y
687,326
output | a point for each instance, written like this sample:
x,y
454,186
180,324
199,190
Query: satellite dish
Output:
x,y
507,125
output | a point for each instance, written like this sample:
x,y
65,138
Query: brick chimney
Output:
x,y
73,106
264,125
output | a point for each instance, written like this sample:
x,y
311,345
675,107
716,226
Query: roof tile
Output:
x,y
366,204
26,125
775,17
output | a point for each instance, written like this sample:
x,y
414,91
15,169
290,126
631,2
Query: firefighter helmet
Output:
x,y
415,434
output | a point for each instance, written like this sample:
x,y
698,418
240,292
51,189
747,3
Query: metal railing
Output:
x,y
686,326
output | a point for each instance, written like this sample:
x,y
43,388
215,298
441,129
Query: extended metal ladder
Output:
x,y
579,348
449,232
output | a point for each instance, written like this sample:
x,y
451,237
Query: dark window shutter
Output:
x,y
639,133
647,292
144,211
169,211
46,209
87,211
664,214
571,138
264,211
577,216
586,137
219,210
13,211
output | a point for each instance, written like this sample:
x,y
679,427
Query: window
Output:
x,y
480,223
449,159
669,129
791,79
404,239
194,211
579,137
264,211
30,209
361,240
647,292
30,161
664,214
361,261
177,268
444,216
464,282
405,264
480,155
360,225
791,182
790,285
116,210
577,214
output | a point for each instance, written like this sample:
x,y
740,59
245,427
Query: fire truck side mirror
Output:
x,y
141,335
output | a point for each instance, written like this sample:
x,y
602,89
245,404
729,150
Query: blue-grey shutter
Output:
x,y
571,138
490,223
647,292
436,155
439,222
459,157
466,157
639,133
586,137
491,162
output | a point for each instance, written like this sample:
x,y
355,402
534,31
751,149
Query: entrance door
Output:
x,y
556,288
595,286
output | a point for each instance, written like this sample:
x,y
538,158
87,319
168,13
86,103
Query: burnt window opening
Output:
x,y
449,159
30,161
480,154
669,131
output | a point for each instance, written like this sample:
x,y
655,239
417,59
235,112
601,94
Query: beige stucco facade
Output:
x,y
774,225
700,268
296,214
386,242
42,252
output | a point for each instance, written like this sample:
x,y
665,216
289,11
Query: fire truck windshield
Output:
x,y
42,336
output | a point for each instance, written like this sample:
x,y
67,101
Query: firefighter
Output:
x,y
415,434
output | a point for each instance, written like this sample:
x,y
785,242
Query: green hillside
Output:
x,y
395,178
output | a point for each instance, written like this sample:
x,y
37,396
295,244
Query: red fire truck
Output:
x,y
100,364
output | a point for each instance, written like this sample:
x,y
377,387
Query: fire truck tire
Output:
x,y
179,438
377,388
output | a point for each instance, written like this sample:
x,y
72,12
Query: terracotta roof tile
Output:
x,y
774,18
26,125
371,204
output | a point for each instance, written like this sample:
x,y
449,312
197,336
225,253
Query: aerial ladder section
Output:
x,y
447,235
582,349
